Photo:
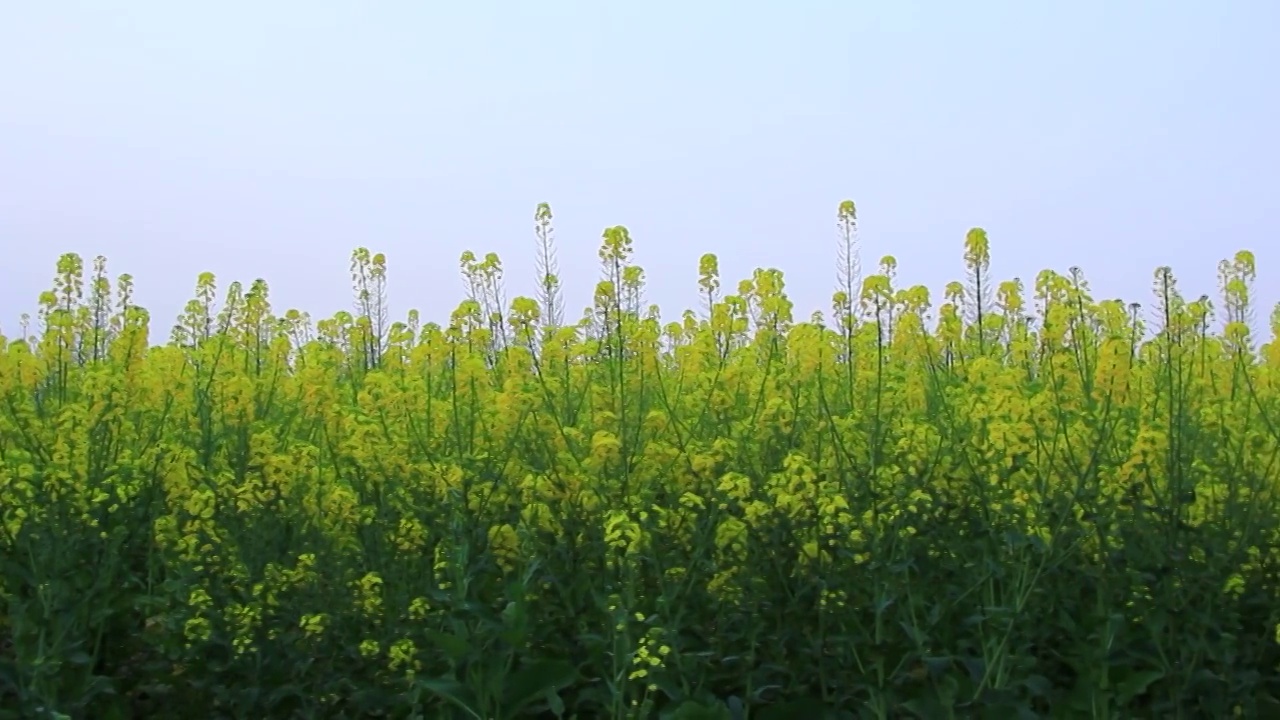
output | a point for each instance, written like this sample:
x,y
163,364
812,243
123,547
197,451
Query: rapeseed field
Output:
x,y
1021,501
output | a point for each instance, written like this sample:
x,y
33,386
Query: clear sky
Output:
x,y
268,139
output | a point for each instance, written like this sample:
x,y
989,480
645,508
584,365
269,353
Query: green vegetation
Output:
x,y
1027,507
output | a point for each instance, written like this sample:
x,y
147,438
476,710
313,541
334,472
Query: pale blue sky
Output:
x,y
267,139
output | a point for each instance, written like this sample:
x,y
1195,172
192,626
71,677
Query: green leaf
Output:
x,y
806,708
737,710
80,657
668,686
1038,685
534,681
455,647
454,692
760,692
283,693
938,665
515,625
115,710
693,710
555,703
1135,685
1007,711
976,667
925,707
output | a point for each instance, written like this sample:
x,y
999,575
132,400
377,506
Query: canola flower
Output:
x,y
1024,498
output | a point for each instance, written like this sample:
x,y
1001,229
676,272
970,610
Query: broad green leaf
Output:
x,y
455,647
793,709
1136,684
693,710
454,692
533,681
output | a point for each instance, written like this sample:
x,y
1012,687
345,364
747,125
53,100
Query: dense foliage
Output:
x,y
1044,506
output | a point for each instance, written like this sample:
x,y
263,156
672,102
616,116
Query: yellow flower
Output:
x,y
369,593
313,624
403,655
419,608
504,543
197,629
